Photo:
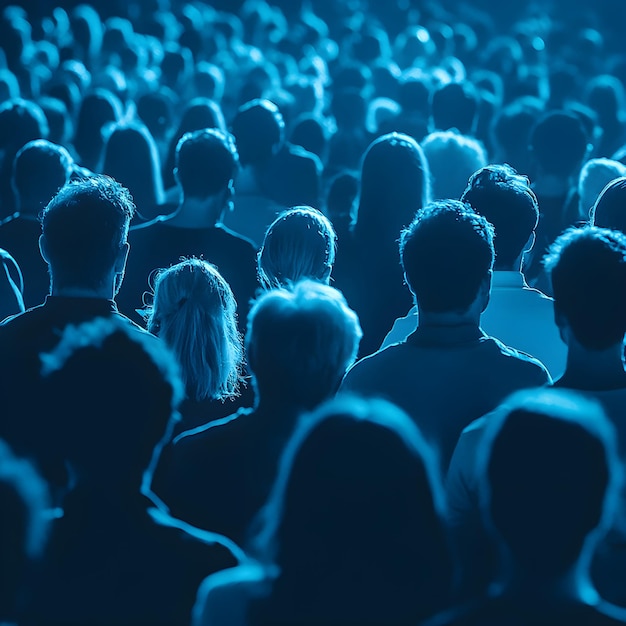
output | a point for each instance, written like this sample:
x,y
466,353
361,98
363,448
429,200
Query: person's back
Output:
x,y
112,556
84,242
517,315
233,462
448,372
207,163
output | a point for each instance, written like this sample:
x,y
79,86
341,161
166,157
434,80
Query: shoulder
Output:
x,y
223,598
535,370
235,238
373,365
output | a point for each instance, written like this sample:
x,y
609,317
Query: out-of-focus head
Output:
x,y
24,500
452,159
206,163
609,209
358,492
85,230
587,267
40,169
594,176
21,121
132,158
118,389
395,183
447,254
549,475
300,341
559,143
455,105
259,129
195,313
506,200
300,243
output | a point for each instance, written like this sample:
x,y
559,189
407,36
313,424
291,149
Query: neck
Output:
x,y
594,369
107,292
465,318
197,212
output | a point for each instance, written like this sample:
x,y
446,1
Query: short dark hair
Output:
x,y
548,469
455,105
84,226
587,267
206,162
506,200
559,142
446,253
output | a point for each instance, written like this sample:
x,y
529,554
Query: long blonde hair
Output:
x,y
194,312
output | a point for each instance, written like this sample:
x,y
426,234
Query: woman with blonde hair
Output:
x,y
300,243
194,312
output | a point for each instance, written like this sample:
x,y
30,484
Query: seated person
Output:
x,y
113,557
548,480
352,531
300,341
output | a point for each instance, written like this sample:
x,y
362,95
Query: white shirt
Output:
x,y
517,315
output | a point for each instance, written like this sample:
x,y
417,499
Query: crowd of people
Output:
x,y
313,314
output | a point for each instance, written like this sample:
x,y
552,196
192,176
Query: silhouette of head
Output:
x,y
358,496
84,232
206,163
447,254
395,183
300,243
118,389
609,210
587,267
300,341
195,313
548,467
49,164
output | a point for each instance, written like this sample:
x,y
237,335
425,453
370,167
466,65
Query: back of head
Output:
x,y
206,163
40,169
605,95
358,498
117,388
395,183
84,227
609,210
455,105
20,121
559,143
300,243
594,176
195,313
258,128
452,159
447,253
549,466
506,200
300,341
587,267
132,158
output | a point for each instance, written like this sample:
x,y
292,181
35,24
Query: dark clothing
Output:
x,y
158,245
122,563
20,237
27,424
218,476
507,612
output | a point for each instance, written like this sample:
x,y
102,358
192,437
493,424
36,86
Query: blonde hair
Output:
x,y
194,312
300,243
